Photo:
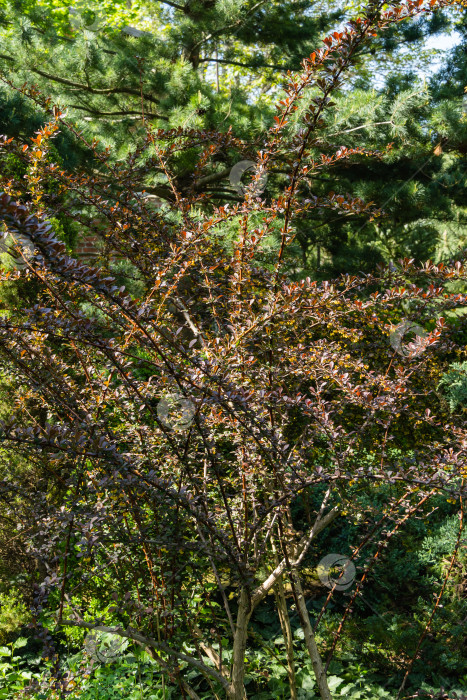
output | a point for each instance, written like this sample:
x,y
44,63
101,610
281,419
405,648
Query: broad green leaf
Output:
x,y
334,682
20,642
308,683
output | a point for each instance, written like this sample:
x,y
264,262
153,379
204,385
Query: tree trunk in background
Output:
x,y
236,690
288,637
310,641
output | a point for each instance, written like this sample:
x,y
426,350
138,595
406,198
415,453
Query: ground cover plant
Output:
x,y
187,431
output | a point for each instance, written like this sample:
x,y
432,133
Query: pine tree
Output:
x,y
218,66
200,64
419,183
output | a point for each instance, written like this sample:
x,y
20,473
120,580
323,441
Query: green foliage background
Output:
x,y
420,184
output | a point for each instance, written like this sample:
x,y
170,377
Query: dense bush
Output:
x,y
187,432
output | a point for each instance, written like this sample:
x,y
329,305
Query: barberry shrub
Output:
x,y
172,424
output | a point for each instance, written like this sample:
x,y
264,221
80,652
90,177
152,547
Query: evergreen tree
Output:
x,y
201,64
419,183
219,65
